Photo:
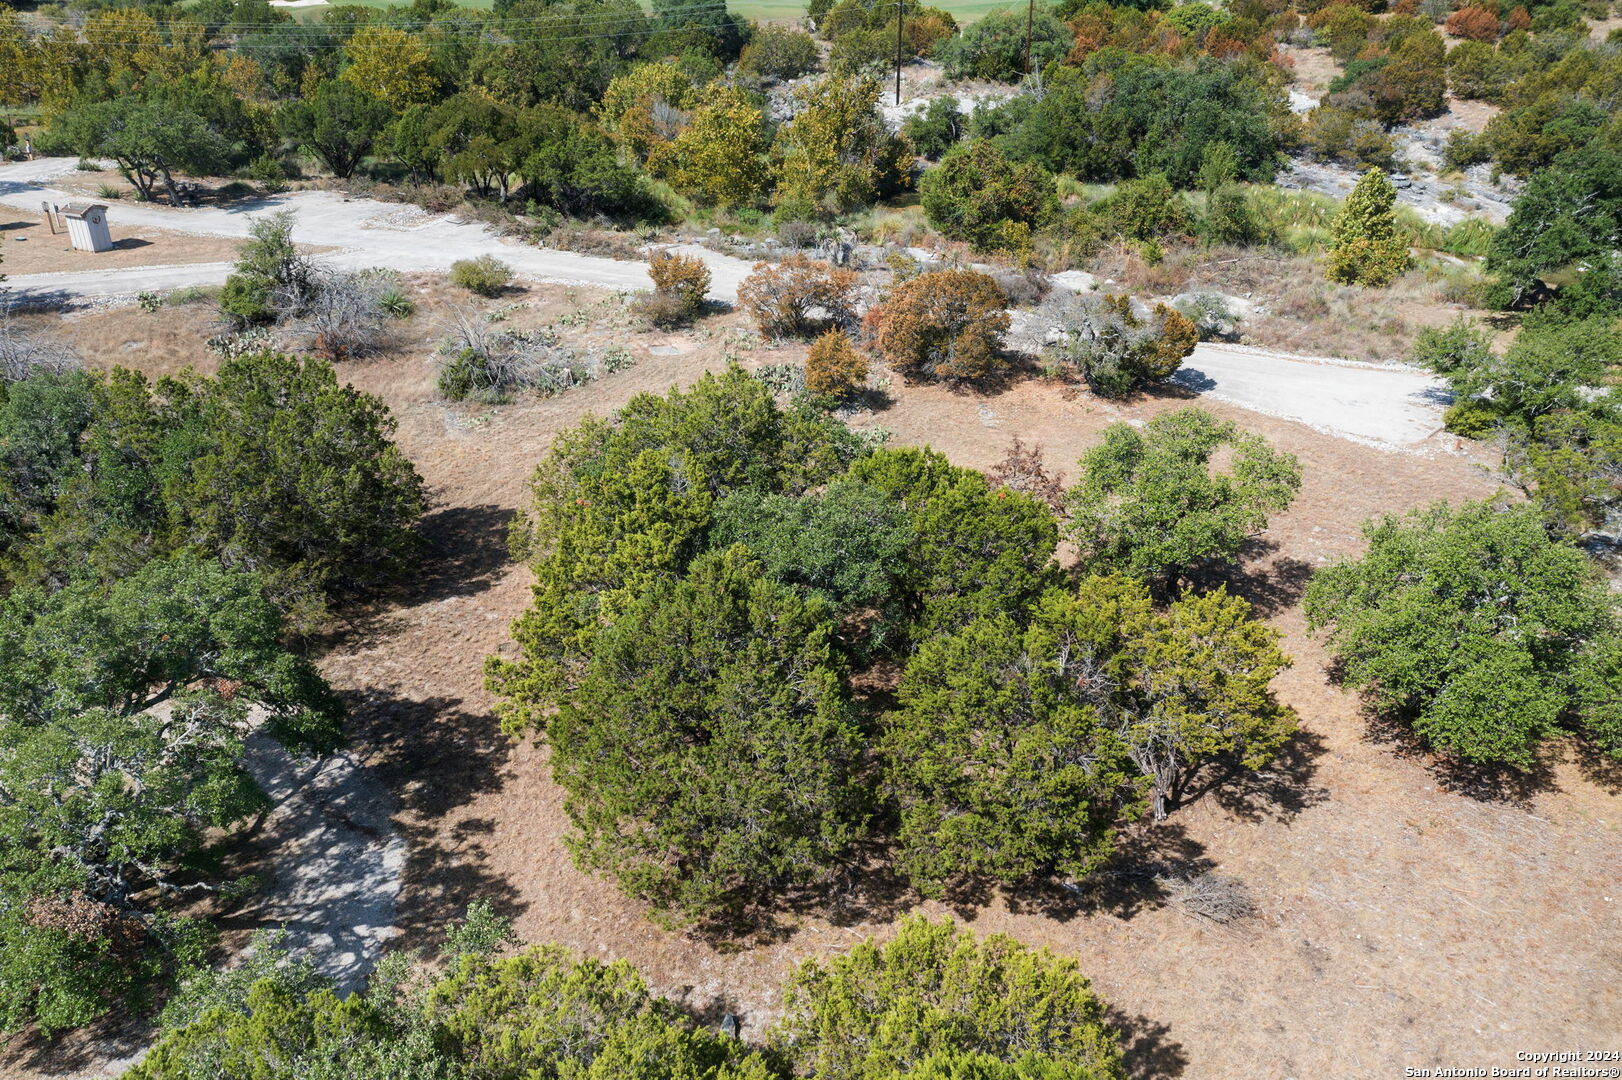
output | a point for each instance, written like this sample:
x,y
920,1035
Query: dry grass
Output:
x,y
29,247
1426,925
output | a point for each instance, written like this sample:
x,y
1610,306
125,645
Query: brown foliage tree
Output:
x,y
833,366
1476,23
680,283
797,297
947,324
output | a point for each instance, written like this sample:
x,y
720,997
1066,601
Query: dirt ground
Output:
x,y
1404,921
28,247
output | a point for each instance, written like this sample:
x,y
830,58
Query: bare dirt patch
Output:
x,y
28,247
1401,922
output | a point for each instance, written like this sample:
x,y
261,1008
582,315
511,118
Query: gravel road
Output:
x,y
1390,406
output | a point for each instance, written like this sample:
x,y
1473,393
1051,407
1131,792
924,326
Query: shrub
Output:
x,y
915,1005
1365,247
797,296
680,283
938,128
1471,625
1229,219
833,366
946,324
1335,134
1474,22
993,47
1471,418
487,365
777,52
1114,349
266,170
1149,503
1144,209
976,194
269,271
1449,349
486,275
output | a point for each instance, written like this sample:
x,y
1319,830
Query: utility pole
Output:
x,y
1030,22
899,4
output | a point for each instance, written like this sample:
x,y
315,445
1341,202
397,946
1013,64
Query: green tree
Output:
x,y
1566,217
880,1011
1569,463
1194,684
978,550
719,158
938,127
1469,624
1365,248
1000,768
618,506
1553,364
844,543
1149,503
993,46
124,715
339,124
572,166
837,154
976,194
151,140
297,476
709,751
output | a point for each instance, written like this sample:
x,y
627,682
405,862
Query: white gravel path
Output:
x,y
1390,406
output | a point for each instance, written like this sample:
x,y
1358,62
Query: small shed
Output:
x,y
87,226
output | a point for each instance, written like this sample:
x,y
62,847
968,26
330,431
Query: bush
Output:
x,y
833,366
486,275
487,365
975,194
946,324
938,128
916,1005
268,273
1365,247
993,47
1472,418
1144,209
1338,135
680,284
1114,349
1229,219
1475,23
798,297
777,52
1486,680
266,170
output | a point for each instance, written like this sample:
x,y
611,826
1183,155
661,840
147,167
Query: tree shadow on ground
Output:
x,y
466,552
1278,791
435,755
1149,1053
1270,582
1124,886
114,1036
1486,783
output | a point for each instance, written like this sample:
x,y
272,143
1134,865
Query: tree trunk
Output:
x,y
169,184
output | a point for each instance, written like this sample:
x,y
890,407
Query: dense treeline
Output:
x,y
720,580
160,546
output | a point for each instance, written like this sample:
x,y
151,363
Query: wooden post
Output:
x,y
899,5
50,219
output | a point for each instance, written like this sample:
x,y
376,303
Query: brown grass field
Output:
x,y
1406,917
